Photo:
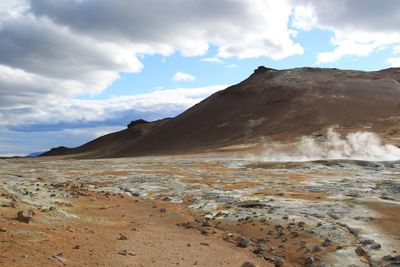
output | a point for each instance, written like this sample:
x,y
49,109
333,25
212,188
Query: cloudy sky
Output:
x,y
72,70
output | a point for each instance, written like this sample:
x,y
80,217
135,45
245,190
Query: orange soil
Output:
x,y
154,239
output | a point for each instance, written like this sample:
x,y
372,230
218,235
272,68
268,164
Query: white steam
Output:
x,y
355,146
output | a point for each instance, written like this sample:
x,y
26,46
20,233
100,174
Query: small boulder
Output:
x,y
360,251
25,216
309,260
327,242
248,264
243,242
278,262
122,237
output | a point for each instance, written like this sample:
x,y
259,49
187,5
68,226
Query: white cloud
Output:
x,y
53,51
183,77
14,143
394,62
154,105
245,28
73,122
304,18
360,27
212,60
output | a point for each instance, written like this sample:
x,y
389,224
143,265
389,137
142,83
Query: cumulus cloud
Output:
x,y
239,28
72,122
114,111
183,77
360,27
15,143
212,60
52,51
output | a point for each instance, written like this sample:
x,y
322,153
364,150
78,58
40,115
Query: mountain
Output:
x,y
270,104
35,154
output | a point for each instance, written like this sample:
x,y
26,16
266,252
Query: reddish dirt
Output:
x,y
154,238
390,220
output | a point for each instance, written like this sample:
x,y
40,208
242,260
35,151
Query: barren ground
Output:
x,y
199,211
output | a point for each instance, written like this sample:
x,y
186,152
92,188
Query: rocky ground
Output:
x,y
198,211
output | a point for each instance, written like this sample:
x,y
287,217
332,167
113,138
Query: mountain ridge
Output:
x,y
269,105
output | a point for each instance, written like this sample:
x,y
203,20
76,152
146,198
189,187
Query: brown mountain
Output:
x,y
269,105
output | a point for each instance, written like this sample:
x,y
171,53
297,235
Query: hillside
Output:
x,y
269,105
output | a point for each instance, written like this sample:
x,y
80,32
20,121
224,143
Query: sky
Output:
x,y
73,70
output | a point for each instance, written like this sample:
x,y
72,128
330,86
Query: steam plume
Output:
x,y
355,146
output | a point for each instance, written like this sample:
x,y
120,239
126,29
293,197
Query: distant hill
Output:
x,y
35,154
269,105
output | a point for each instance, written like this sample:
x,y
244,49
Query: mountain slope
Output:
x,y
270,104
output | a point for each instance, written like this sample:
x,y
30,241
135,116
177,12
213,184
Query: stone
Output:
x,y
367,242
25,216
375,246
251,204
243,242
309,260
248,264
60,257
258,250
77,246
163,210
122,237
316,248
327,242
360,251
301,224
125,252
278,262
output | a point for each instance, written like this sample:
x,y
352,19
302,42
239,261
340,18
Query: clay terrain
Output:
x,y
198,211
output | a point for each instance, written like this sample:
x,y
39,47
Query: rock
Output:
x,y
251,204
391,260
125,252
360,251
205,223
3,230
136,122
295,234
258,250
301,224
316,248
375,246
303,244
188,225
60,257
243,242
327,242
24,216
122,237
285,217
278,262
163,210
367,242
309,260
248,264
77,246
